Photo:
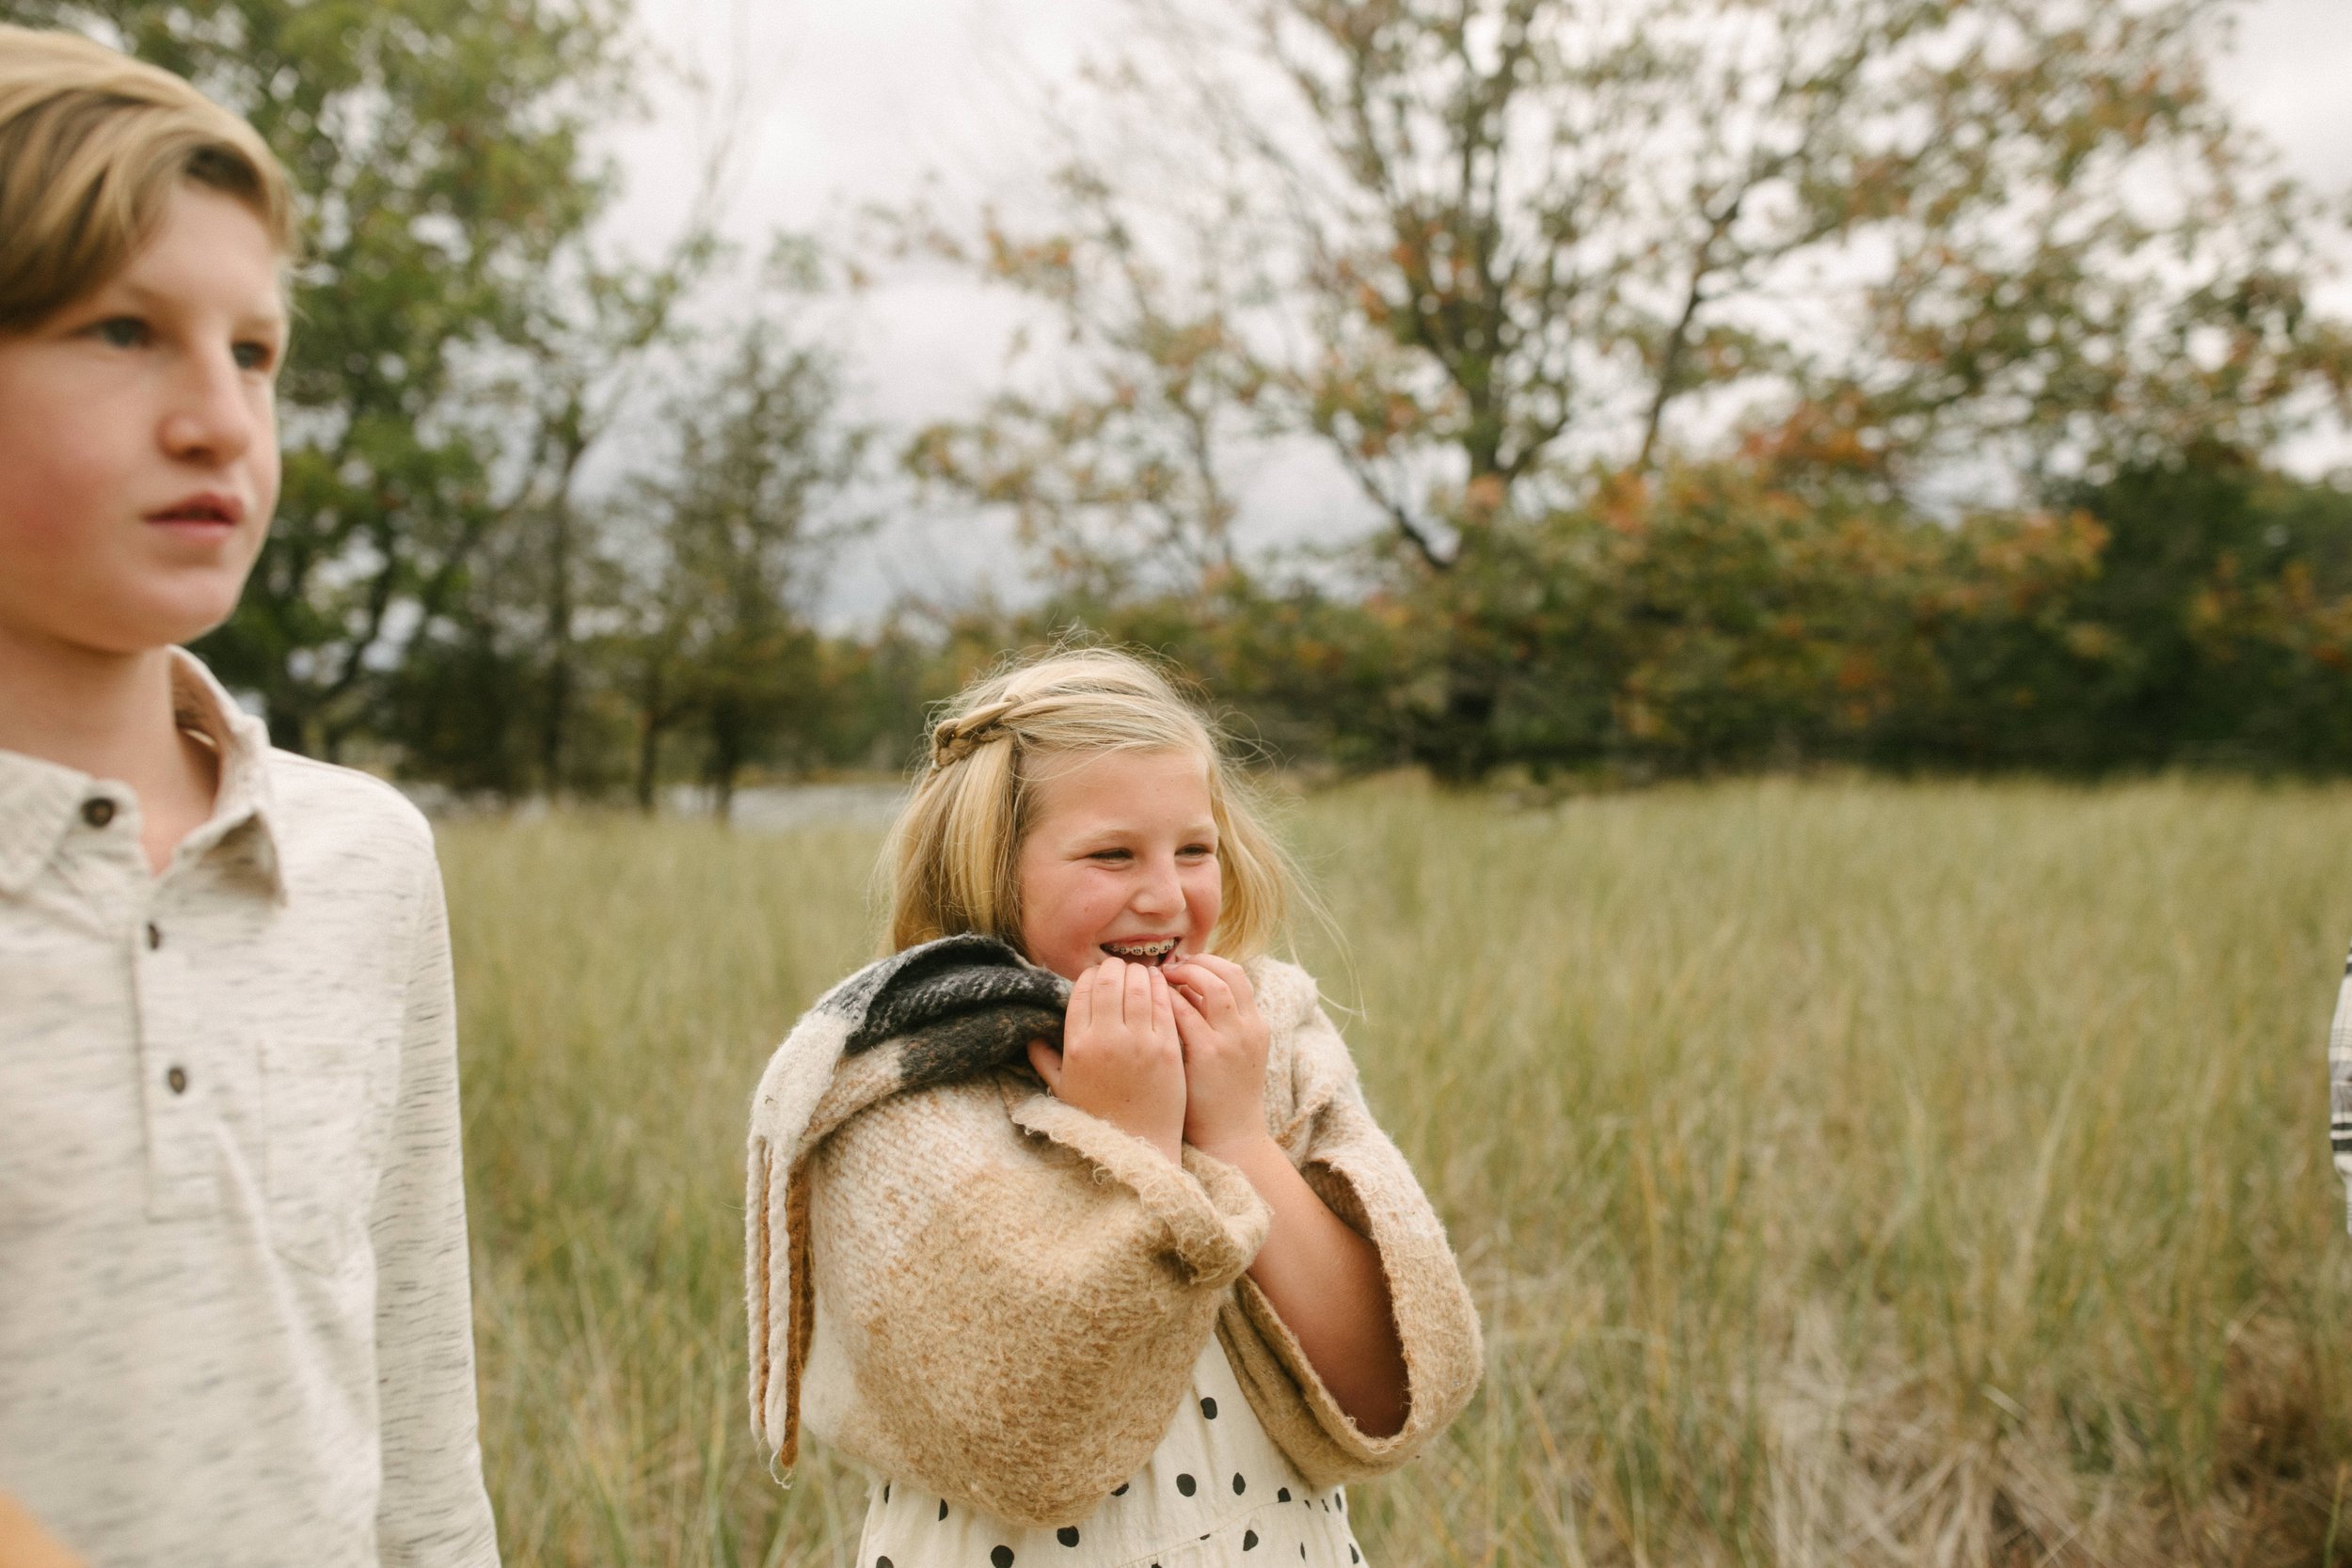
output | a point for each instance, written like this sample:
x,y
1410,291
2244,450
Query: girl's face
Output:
x,y
1120,861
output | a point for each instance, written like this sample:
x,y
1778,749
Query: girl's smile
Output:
x,y
1142,950
1121,861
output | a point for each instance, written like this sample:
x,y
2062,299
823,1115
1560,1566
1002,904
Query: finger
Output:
x,y
1237,985
1078,1016
1193,1030
1104,984
1208,988
1163,1012
1047,1063
1235,977
1135,1008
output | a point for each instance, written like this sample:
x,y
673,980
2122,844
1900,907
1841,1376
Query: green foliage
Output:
x,y
1487,252
1524,269
441,147
739,521
2210,628
1641,329
1756,613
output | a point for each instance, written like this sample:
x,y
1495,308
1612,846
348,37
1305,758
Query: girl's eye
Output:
x,y
255,357
122,332
1110,855
1198,851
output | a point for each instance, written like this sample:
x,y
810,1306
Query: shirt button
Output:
x,y
154,935
97,812
178,1079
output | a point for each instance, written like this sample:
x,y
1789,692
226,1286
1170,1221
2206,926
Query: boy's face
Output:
x,y
138,441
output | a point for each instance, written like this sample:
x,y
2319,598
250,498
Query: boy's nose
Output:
x,y
209,417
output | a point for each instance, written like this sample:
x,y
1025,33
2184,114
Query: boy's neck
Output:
x,y
110,716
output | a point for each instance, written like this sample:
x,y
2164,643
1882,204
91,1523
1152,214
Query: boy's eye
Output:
x,y
122,332
255,355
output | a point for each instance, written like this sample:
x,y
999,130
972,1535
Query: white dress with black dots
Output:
x,y
1216,1491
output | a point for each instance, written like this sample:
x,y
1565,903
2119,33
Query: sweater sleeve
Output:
x,y
1013,1294
432,1508
1355,1168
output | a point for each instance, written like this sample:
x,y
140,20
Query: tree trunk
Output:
x,y
650,723
554,719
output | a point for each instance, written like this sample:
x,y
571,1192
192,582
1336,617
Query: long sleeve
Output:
x,y
2339,1087
1355,1168
1010,1294
433,1509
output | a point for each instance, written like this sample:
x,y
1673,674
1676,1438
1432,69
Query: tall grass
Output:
x,y
1846,1172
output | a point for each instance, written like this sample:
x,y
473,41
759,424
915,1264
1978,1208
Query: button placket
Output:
x,y
179,1139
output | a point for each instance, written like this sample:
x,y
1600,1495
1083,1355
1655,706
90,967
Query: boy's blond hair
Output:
x,y
92,144
953,856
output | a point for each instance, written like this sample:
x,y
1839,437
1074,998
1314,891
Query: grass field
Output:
x,y
1846,1172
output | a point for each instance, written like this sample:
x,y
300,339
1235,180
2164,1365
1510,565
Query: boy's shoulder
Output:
x,y
351,813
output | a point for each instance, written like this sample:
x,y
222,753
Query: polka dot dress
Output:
x,y
1216,1491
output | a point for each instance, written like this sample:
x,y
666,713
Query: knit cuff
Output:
x,y
1212,1219
1436,1325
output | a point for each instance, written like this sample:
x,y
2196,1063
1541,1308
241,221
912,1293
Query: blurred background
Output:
x,y
687,394
1907,437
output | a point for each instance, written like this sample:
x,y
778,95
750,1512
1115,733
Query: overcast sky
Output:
x,y
851,104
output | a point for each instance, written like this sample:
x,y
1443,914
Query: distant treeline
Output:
x,y
1743,615
2196,612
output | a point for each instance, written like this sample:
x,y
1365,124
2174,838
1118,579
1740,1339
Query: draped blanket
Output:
x,y
933,1014
1015,1292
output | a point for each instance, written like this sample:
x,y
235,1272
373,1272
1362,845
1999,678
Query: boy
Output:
x,y
233,1316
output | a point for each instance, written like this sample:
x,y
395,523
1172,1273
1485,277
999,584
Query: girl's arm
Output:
x,y
1328,1284
1324,1279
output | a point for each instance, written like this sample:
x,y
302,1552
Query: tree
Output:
x,y
1494,255
727,537
456,328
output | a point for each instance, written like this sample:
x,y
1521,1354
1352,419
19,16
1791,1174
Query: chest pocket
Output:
x,y
326,1107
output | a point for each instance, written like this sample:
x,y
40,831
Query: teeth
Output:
x,y
1141,949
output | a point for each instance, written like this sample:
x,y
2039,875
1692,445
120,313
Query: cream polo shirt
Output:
x,y
235,1325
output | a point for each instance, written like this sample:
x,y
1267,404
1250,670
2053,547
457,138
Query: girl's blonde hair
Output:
x,y
92,144
953,857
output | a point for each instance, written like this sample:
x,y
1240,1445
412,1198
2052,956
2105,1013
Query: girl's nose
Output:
x,y
1161,892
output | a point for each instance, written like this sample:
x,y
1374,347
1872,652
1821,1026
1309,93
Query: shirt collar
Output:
x,y
39,799
241,741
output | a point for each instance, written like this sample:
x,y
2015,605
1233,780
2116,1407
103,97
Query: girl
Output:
x,y
1068,1220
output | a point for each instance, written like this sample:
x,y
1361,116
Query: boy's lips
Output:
x,y
203,512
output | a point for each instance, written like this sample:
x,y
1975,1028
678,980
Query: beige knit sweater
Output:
x,y
999,1297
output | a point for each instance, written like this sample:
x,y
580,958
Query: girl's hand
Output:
x,y
1120,1057
1225,1050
